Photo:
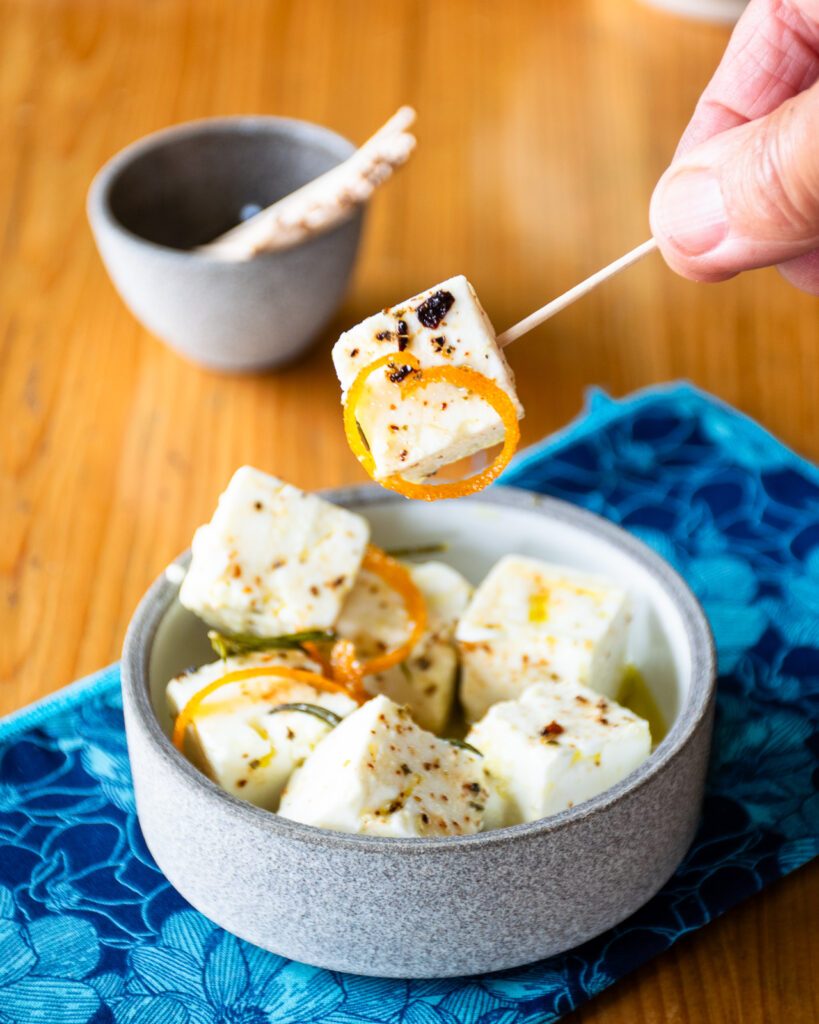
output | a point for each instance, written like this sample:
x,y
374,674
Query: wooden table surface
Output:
x,y
543,125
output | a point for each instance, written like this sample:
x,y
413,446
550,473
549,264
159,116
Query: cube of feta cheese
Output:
x,y
379,773
237,741
374,618
556,746
273,560
415,435
531,622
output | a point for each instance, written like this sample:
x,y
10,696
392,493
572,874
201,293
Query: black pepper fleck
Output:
x,y
400,373
436,307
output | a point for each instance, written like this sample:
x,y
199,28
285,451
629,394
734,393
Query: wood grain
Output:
x,y
543,126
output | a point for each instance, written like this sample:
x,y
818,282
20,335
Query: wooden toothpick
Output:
x,y
573,294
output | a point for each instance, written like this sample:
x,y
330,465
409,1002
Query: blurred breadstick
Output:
x,y
323,203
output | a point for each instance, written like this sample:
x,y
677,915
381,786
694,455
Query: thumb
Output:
x,y
748,197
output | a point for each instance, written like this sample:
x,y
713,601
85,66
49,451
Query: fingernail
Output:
x,y
691,212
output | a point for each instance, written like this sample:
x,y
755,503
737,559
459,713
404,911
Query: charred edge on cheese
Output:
x,y
435,308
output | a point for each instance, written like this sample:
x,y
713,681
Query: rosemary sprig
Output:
x,y
328,717
463,745
226,644
426,549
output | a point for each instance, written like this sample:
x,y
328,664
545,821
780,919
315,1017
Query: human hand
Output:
x,y
743,189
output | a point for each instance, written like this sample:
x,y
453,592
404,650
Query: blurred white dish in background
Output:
x,y
726,11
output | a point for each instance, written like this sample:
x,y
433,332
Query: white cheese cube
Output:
x,y
558,745
378,773
495,813
374,618
531,622
273,560
438,424
237,741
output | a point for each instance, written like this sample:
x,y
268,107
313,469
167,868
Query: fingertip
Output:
x,y
696,274
688,211
803,272
691,267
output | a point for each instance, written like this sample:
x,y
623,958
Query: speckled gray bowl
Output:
x,y
178,188
450,906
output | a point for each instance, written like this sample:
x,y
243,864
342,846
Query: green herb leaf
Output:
x,y
226,644
427,549
328,717
463,745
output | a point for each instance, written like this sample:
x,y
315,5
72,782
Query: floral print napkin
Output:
x,y
91,932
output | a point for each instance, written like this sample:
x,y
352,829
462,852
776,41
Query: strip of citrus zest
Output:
x,y
188,712
354,395
312,650
342,665
399,579
459,376
346,667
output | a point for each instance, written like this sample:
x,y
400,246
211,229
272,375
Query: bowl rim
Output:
x,y
702,683
98,205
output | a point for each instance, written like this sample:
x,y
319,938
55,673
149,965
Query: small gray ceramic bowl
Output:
x,y
178,188
448,906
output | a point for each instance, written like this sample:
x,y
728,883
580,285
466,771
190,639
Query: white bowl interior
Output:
x,y
476,535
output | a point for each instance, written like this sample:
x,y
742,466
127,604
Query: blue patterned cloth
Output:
x,y
90,931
